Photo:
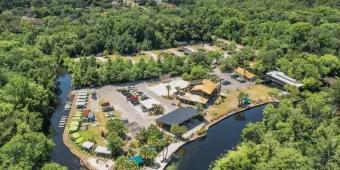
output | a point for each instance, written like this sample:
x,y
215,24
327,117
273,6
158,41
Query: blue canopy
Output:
x,y
137,159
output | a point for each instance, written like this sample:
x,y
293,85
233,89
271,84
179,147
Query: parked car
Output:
x,y
121,90
225,82
135,103
241,80
94,96
144,97
144,109
181,49
234,75
131,87
110,114
132,98
125,120
107,108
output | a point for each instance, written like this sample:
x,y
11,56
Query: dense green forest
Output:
x,y
301,37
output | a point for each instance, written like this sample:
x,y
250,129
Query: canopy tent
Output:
x,y
73,126
78,113
137,159
246,101
74,123
79,140
75,135
76,119
72,129
87,145
102,150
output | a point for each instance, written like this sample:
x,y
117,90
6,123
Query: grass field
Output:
x,y
94,131
257,93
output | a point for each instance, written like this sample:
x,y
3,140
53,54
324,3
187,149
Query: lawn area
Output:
x,y
93,133
257,93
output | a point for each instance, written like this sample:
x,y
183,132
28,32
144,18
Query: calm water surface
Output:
x,y
221,137
61,154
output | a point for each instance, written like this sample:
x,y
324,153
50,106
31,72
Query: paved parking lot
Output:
x,y
127,110
234,83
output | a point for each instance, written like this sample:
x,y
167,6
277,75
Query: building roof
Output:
x,y
81,100
81,103
284,78
82,91
194,98
178,116
102,150
244,73
148,103
206,86
87,145
82,94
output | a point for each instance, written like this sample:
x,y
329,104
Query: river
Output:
x,y
61,154
221,137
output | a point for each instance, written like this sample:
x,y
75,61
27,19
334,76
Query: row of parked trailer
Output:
x,y
82,98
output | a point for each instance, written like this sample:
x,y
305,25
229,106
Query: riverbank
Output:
x,y
61,153
172,148
221,136
87,160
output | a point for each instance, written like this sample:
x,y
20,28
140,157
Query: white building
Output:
x,y
282,79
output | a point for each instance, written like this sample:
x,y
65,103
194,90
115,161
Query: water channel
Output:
x,y
61,154
223,136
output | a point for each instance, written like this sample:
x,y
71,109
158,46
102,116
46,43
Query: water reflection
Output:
x,y
61,154
221,137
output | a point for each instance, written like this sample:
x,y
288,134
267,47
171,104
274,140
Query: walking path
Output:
x,y
164,156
